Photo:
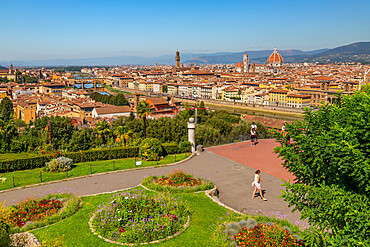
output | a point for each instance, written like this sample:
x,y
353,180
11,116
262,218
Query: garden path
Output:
x,y
232,174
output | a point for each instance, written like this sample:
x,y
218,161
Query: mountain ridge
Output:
x,y
355,52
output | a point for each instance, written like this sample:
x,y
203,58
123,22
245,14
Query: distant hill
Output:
x,y
1,67
238,56
356,52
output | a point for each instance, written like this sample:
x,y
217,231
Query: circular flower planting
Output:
x,y
178,182
135,217
266,235
34,213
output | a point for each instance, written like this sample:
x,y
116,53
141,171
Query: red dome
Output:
x,y
275,58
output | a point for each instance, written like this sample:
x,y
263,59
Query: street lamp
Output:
x,y
359,87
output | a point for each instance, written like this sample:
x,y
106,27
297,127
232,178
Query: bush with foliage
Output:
x,y
178,182
35,213
185,146
170,148
59,164
4,234
329,154
150,149
136,217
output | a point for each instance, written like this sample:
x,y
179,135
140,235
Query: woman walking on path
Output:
x,y
257,185
283,130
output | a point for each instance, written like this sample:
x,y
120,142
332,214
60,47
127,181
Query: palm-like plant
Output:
x,y
143,109
123,133
103,131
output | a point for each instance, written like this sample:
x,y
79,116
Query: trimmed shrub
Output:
x,y
4,234
59,165
150,149
37,161
77,157
185,146
170,148
24,163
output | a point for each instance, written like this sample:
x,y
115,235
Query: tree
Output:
x,y
29,79
8,132
143,109
4,79
164,89
202,111
123,133
6,109
329,154
18,75
62,130
81,140
102,130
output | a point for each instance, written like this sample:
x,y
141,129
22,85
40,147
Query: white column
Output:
x,y
191,133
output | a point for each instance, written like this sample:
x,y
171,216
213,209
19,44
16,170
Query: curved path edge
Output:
x,y
97,174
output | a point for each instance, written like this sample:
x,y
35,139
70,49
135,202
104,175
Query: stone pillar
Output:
x,y
191,133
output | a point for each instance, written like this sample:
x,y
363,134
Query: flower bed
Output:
x,y
178,182
266,235
35,213
247,230
135,217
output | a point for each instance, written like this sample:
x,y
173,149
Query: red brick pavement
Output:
x,y
259,157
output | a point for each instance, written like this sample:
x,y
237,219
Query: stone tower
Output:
x,y
177,59
245,63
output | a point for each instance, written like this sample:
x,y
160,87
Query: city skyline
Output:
x,y
87,29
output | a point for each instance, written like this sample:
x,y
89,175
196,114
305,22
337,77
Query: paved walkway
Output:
x,y
231,177
260,157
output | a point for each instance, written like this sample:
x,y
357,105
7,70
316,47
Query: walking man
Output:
x,y
254,126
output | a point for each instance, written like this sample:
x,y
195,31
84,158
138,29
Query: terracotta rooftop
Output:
x,y
112,109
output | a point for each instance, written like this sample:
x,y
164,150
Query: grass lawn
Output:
x,y
115,90
76,232
28,177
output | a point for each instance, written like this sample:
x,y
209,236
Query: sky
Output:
x,y
54,29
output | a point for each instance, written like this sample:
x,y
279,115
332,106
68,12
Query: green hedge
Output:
x,y
170,148
24,163
82,156
103,154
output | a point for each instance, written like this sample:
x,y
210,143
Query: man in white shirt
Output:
x,y
254,126
253,137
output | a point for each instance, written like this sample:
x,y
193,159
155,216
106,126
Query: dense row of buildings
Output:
x,y
273,84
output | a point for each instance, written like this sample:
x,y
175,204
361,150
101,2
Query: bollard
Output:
x,y
40,177
175,156
90,169
135,161
67,173
113,165
157,160
13,182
